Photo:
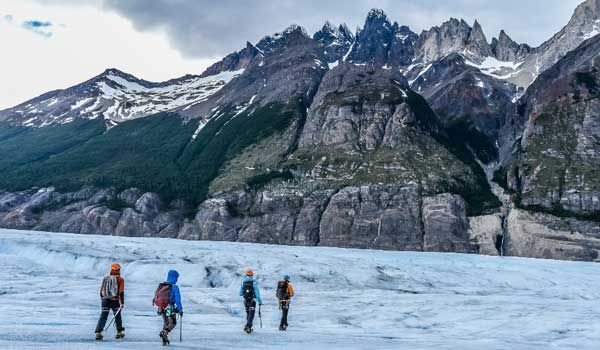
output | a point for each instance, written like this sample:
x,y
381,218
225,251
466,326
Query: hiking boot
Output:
x,y
120,335
282,327
99,336
165,337
248,329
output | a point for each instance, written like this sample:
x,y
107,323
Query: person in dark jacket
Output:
x,y
174,307
112,296
251,293
284,294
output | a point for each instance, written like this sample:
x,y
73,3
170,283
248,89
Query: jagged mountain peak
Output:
x,y
290,35
335,40
376,13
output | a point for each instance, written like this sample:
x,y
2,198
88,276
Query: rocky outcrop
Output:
x,y
380,43
557,169
583,25
378,217
452,36
91,211
538,235
335,41
461,93
487,233
505,49
445,224
234,61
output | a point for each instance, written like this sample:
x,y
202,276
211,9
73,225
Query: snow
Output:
x,y
345,58
201,125
121,99
145,101
333,64
346,299
496,68
80,103
423,71
595,31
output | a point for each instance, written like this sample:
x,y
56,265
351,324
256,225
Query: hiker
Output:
x,y
112,295
168,300
284,294
251,293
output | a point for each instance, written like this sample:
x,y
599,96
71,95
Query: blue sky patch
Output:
x,y
39,27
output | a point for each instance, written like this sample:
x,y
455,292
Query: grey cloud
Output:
x,y
209,28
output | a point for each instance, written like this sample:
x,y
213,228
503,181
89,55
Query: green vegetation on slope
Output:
x,y
155,153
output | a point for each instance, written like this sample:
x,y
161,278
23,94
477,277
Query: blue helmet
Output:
x,y
286,278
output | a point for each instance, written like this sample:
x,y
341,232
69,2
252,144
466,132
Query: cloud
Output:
x,y
208,28
39,27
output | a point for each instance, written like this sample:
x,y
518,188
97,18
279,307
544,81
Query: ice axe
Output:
x,y
259,315
113,319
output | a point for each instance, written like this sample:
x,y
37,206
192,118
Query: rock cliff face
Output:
x,y
558,166
361,217
505,49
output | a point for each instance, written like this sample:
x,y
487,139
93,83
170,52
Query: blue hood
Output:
x,y
172,276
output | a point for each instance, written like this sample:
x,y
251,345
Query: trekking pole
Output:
x,y
259,315
113,319
180,327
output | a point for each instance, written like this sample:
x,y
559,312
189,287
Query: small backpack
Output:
x,y
110,287
162,296
282,290
248,287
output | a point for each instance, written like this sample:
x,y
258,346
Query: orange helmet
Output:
x,y
115,267
249,272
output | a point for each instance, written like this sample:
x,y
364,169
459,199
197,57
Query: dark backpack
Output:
x,y
162,296
248,288
282,290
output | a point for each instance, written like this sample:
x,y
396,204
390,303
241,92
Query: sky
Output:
x,y
54,44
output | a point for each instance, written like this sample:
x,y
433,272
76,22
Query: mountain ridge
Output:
x,y
382,139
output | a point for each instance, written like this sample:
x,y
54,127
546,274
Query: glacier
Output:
x,y
346,298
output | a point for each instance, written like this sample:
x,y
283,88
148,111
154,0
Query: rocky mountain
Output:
x,y
584,24
381,43
382,139
505,49
115,96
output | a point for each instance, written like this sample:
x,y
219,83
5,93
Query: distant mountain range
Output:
x,y
380,138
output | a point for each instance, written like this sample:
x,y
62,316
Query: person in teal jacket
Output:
x,y
250,291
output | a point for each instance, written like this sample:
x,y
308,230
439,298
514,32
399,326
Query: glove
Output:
x,y
122,306
181,313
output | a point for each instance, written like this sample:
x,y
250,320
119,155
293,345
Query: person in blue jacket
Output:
x,y
251,293
174,307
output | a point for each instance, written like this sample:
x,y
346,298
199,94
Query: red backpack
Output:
x,y
162,296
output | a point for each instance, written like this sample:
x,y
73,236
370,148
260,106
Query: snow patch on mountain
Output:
x,y
117,97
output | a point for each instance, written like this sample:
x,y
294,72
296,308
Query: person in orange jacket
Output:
x,y
112,295
284,293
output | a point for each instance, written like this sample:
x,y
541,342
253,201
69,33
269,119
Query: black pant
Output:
x,y
169,322
107,305
250,308
284,305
